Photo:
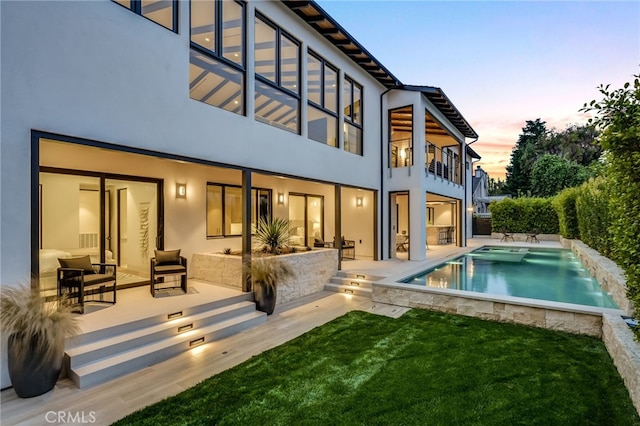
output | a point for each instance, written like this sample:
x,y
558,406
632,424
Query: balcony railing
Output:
x,y
442,163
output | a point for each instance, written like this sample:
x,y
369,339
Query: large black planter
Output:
x,y
30,376
265,297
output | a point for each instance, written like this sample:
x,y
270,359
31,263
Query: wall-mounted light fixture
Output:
x,y
359,201
280,198
181,190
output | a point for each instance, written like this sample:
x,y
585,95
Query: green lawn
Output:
x,y
424,368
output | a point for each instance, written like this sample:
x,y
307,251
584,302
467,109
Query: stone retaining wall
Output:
x,y
609,275
587,321
311,270
625,352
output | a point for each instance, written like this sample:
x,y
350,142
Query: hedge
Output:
x,y
523,215
594,215
565,205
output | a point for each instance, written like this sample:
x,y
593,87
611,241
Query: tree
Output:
x,y
576,143
552,173
496,187
524,156
618,118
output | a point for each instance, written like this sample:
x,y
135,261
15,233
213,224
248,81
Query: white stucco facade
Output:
x,y
96,72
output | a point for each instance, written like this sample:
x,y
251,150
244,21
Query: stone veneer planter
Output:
x,y
605,270
625,352
311,271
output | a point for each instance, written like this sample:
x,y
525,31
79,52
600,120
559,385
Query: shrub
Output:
x,y
273,234
618,116
524,215
565,206
593,213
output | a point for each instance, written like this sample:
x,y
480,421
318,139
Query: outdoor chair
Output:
x,y
506,236
165,264
82,281
532,237
348,248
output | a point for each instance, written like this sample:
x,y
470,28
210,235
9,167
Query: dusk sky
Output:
x,y
502,62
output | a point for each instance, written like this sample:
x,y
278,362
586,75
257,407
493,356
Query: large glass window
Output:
x,y
352,94
163,12
322,117
224,209
277,64
401,137
216,73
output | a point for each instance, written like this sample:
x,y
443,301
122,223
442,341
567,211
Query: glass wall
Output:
x,y
322,117
216,72
277,65
401,137
352,94
163,12
224,209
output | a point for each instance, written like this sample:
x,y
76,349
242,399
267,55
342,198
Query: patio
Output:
x,y
112,400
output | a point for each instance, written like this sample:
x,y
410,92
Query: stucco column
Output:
x,y
246,229
417,224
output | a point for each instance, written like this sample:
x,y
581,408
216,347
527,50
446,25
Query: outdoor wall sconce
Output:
x,y
181,190
359,201
280,198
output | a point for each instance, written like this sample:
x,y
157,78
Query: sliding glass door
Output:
x,y
111,220
306,214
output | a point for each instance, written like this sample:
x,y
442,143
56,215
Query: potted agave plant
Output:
x,y
265,273
37,330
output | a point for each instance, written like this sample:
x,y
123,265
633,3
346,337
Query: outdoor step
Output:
x,y
358,282
108,368
338,288
119,343
364,276
119,329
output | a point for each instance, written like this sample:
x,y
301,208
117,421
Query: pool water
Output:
x,y
546,274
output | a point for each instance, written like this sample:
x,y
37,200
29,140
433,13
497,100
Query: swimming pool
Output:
x,y
544,274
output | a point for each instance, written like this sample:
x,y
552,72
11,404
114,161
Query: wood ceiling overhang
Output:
x,y
324,24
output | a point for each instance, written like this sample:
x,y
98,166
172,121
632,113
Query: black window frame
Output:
x,y
349,119
278,77
223,187
218,54
322,107
136,7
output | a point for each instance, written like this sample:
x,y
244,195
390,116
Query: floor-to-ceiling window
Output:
x,y
353,127
322,94
217,59
277,65
88,214
306,216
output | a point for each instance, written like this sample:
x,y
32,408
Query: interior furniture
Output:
x,y
82,281
348,248
402,242
317,242
532,237
168,263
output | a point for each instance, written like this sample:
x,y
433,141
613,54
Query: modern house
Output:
x,y
132,125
